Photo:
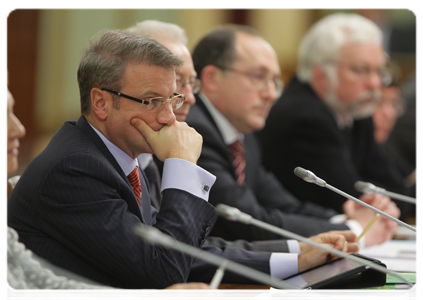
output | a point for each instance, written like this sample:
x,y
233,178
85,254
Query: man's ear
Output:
x,y
98,104
211,76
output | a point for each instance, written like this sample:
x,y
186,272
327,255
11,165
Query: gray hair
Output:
x,y
155,29
324,40
104,61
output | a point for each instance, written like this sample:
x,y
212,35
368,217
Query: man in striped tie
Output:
x,y
77,202
240,78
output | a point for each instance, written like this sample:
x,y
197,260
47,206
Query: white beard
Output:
x,y
363,106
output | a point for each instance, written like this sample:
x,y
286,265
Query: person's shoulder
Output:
x,y
71,138
297,101
199,119
68,143
196,115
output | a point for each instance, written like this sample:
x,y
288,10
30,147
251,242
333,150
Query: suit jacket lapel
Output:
x,y
219,143
145,199
200,104
85,127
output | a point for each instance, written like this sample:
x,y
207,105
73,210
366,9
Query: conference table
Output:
x,y
242,291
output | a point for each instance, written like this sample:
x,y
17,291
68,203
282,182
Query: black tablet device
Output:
x,y
341,273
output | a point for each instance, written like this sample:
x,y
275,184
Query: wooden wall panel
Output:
x,y
21,64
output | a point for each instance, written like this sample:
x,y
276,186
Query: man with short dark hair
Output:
x,y
77,202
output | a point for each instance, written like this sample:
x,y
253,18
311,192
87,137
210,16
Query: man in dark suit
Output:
x,y
74,204
240,73
323,120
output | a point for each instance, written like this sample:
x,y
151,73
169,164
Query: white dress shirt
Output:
x,y
175,171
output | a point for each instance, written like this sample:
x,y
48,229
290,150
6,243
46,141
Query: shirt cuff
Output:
x,y
338,219
357,229
293,246
283,265
353,225
184,175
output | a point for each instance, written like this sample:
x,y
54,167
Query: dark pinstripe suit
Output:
x,y
255,255
74,206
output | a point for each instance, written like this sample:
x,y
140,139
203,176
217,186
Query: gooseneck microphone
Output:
x,y
310,177
234,214
368,188
154,236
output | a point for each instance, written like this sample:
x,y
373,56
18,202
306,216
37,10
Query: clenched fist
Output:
x,y
175,141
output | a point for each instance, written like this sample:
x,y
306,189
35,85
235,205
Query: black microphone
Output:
x,y
368,188
310,177
154,236
234,214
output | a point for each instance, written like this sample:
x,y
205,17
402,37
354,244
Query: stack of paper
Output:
x,y
397,255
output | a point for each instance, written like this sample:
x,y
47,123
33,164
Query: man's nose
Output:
x,y
269,92
166,115
374,80
189,95
17,130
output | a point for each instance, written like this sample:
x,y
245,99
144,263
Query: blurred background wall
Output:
x,y
44,47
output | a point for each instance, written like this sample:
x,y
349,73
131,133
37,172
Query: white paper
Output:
x,y
394,249
400,265
397,255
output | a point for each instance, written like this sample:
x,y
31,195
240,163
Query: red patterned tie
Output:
x,y
238,160
134,179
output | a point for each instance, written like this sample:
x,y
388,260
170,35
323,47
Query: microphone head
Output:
x,y
232,214
309,176
227,212
303,174
364,187
369,188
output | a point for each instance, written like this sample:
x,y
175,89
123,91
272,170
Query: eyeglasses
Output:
x,y
195,84
260,81
155,104
364,72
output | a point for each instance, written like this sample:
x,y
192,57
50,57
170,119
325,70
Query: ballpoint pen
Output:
x,y
217,278
367,227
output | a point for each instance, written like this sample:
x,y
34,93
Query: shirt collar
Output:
x,y
227,130
144,160
343,122
126,163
